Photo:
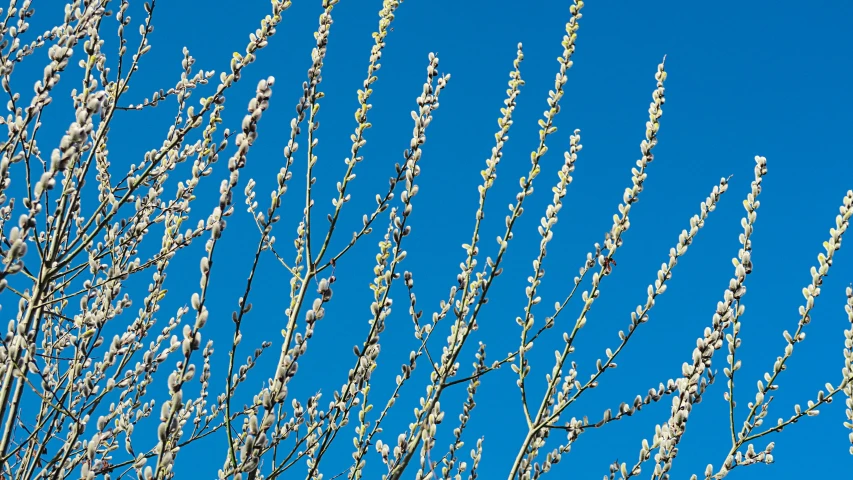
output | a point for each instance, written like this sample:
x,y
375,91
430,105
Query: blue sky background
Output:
x,y
745,79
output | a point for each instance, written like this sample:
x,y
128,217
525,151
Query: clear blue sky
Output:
x,y
745,79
